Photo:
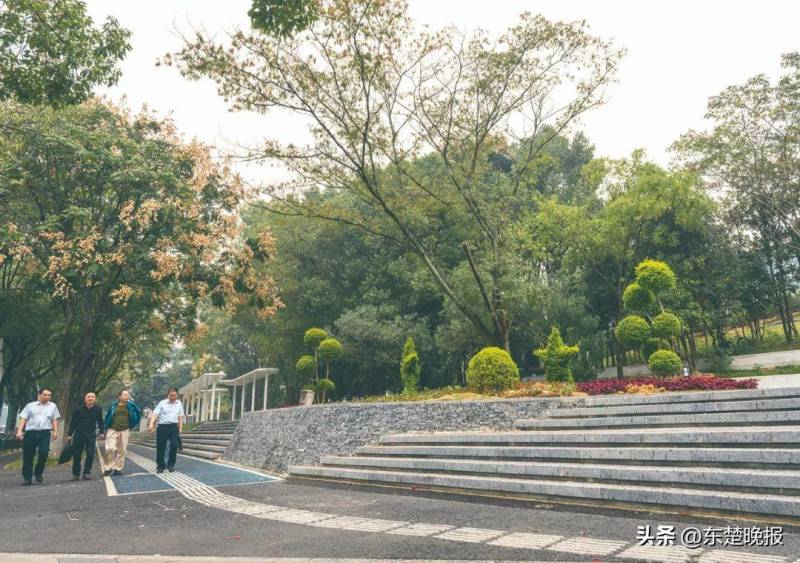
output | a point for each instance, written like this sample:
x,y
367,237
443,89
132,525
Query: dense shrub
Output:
x,y
555,357
632,331
323,387
636,298
664,362
491,369
718,360
314,337
305,366
694,383
410,367
655,276
666,325
329,349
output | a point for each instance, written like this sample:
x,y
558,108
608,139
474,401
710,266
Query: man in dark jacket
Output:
x,y
84,426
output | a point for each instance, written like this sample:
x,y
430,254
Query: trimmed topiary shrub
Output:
x,y
555,357
329,349
655,276
323,387
410,367
305,366
633,331
666,325
664,362
314,337
637,299
491,369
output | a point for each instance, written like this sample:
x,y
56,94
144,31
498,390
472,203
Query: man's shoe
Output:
x,y
26,483
76,477
107,472
117,473
87,477
160,470
170,469
39,479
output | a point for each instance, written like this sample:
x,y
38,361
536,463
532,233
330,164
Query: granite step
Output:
x,y
694,420
759,436
576,491
680,408
687,397
787,481
634,456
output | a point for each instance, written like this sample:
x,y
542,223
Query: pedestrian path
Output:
x,y
136,479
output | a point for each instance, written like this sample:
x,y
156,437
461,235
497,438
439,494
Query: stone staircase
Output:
x,y
696,452
208,440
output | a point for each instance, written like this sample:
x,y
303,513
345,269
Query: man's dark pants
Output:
x,y
166,433
83,441
32,441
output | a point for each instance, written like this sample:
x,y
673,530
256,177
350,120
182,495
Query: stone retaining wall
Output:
x,y
276,438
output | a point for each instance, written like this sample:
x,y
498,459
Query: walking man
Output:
x,y
84,426
38,423
123,415
169,415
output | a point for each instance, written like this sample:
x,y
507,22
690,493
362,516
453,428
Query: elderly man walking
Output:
x,y
38,425
84,426
169,416
123,415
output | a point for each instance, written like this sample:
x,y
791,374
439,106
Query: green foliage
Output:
x,y
313,337
491,369
410,367
637,299
633,331
329,350
555,357
655,276
51,53
666,325
283,18
322,388
664,362
305,366
653,344
719,361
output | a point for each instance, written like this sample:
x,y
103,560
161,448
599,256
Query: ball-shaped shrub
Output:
x,y
305,366
637,298
655,276
491,369
329,349
633,331
324,385
664,362
653,345
314,336
666,325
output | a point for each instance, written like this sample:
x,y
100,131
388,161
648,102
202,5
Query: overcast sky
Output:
x,y
680,52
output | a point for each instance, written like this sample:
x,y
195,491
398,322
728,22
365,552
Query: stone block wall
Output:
x,y
276,438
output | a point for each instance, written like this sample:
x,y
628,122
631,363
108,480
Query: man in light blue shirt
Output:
x,y
169,416
38,425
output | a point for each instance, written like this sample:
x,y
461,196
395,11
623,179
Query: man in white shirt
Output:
x,y
38,425
169,416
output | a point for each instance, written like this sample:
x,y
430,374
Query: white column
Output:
x,y
213,399
233,402
244,387
219,403
266,386
253,396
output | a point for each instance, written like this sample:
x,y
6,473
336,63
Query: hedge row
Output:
x,y
693,383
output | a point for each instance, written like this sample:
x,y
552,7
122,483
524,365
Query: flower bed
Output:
x,y
693,383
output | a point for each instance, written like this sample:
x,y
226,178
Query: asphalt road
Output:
x,y
62,516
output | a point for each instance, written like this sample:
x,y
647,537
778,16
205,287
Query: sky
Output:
x,y
679,53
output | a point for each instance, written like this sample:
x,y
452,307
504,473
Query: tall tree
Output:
x,y
379,96
51,52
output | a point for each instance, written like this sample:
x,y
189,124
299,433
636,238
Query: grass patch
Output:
x,y
758,372
16,465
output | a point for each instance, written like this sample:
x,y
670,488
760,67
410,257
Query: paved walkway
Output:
x,y
776,381
245,517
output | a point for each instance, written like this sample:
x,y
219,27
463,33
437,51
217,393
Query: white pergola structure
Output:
x,y
202,397
252,378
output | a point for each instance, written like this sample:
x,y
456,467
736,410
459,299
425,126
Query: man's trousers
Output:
x,y
166,433
83,441
32,441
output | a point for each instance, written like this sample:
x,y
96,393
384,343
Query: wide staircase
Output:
x,y
696,452
206,440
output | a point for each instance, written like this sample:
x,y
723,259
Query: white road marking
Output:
x,y
588,546
472,535
667,554
722,556
421,529
526,541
